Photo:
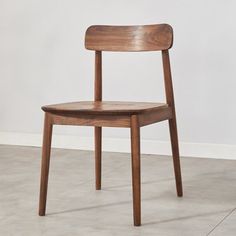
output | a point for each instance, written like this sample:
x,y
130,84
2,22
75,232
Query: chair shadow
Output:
x,y
188,217
210,193
90,207
143,183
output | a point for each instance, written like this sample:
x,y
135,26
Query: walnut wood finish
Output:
x,y
154,116
47,137
98,130
91,120
131,115
136,182
129,38
104,107
172,121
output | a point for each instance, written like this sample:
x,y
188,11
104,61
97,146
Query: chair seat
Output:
x,y
104,107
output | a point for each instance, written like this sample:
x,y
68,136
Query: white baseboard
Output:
x,y
204,150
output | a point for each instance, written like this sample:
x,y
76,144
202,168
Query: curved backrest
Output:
x,y
129,38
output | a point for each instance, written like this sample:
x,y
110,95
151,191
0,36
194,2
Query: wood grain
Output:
x,y
103,107
129,38
172,121
91,120
98,130
136,181
47,137
98,76
155,116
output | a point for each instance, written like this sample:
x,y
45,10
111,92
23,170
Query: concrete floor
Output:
x,y
75,208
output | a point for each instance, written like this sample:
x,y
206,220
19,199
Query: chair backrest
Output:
x,y
157,37
129,38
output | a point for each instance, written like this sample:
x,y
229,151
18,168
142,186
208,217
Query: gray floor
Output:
x,y
75,208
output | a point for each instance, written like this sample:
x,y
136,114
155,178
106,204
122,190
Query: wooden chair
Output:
x,y
132,115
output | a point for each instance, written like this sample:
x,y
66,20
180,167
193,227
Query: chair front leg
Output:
x,y
135,153
46,150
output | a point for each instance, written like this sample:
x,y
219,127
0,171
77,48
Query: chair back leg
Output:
x,y
175,153
98,156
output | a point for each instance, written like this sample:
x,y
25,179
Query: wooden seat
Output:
x,y
104,107
131,115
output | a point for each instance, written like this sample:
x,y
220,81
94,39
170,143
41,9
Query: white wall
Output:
x,y
43,61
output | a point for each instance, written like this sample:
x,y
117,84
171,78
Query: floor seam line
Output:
x,y
221,221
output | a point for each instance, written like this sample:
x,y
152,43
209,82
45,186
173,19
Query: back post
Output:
x,y
172,121
168,79
98,130
98,76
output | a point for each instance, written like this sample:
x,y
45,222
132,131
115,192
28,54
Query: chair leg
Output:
x,y
46,149
175,153
135,153
98,156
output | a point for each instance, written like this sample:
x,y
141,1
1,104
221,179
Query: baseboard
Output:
x,y
204,150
